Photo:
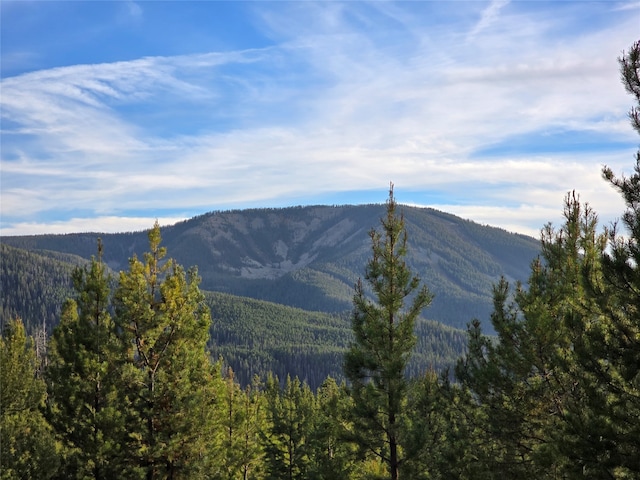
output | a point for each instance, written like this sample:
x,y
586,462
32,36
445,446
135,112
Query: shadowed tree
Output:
x,y
83,377
611,353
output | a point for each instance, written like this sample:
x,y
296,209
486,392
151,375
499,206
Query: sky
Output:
x,y
118,113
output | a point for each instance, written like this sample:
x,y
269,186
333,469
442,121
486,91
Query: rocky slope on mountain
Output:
x,y
311,257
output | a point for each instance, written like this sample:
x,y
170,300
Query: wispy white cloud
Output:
x,y
629,5
134,9
90,225
488,17
349,97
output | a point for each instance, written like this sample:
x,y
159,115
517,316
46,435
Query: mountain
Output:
x,y
311,257
254,337
279,282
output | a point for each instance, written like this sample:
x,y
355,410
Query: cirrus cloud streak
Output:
x,y
349,97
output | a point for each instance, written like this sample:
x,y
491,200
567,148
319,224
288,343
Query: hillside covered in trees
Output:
x,y
283,280
254,337
128,388
311,257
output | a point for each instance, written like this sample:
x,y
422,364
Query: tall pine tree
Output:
x,y
384,340
174,391
82,377
612,351
525,383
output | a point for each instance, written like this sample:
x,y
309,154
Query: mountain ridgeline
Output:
x,y
280,282
311,257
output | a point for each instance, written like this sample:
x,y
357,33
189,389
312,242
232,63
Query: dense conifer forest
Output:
x,y
254,337
133,381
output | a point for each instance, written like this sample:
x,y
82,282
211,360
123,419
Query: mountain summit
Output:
x,y
311,257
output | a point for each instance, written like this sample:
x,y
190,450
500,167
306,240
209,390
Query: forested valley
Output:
x,y
129,383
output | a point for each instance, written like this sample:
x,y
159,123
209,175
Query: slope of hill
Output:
x,y
252,336
279,282
34,285
311,257
255,337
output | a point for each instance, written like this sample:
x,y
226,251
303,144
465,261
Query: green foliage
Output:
x,y
384,339
27,445
287,443
163,324
83,379
259,337
256,338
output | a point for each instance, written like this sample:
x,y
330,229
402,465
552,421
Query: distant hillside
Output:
x,y
280,282
256,337
311,257
34,285
253,336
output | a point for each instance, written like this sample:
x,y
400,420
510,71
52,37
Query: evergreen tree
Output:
x,y
27,445
290,413
384,340
611,353
171,385
332,456
526,382
82,378
244,419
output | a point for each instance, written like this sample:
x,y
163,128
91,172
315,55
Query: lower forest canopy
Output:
x,y
133,382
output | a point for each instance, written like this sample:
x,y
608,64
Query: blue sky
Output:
x,y
118,113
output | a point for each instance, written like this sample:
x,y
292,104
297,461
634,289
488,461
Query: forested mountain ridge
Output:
x,y
34,285
254,337
311,257
280,282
